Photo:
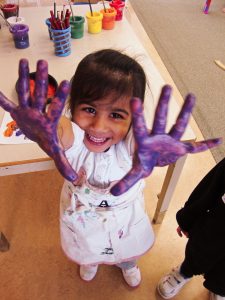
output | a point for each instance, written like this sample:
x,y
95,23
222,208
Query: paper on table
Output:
x,y
10,133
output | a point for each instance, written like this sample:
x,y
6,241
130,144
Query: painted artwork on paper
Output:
x,y
10,133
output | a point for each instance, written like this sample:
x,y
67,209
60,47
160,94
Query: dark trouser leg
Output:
x,y
215,278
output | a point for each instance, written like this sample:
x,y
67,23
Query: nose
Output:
x,y
99,124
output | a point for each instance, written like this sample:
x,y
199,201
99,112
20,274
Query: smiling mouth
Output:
x,y
96,140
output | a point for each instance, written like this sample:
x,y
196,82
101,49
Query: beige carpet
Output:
x,y
188,42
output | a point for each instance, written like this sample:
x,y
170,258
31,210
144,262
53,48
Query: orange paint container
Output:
x,y
109,16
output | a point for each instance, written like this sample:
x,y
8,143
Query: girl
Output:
x,y
98,224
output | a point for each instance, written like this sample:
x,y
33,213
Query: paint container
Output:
x,y
15,20
119,6
109,16
9,10
94,21
48,23
61,39
20,35
77,27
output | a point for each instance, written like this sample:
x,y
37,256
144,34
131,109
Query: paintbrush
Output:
x,y
17,13
71,11
6,21
90,7
103,2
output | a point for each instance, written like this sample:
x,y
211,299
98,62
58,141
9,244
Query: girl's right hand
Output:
x,y
182,232
38,122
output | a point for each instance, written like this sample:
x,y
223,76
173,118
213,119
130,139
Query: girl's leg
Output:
x,y
88,272
131,272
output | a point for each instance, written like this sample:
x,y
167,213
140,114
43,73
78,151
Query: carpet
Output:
x,y
188,42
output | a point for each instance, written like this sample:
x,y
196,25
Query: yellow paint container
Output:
x,y
94,21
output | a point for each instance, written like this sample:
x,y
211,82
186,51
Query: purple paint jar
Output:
x,y
20,36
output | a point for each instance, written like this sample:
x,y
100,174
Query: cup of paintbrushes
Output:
x,y
61,39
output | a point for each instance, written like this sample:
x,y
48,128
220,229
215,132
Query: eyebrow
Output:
x,y
113,109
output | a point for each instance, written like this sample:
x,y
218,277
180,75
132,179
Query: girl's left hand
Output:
x,y
159,148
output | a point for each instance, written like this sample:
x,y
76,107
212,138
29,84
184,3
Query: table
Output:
x,y
129,36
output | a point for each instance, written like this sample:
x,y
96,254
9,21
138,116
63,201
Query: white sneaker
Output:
x,y
132,276
88,272
213,296
171,284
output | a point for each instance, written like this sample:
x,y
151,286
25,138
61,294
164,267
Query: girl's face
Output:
x,y
105,122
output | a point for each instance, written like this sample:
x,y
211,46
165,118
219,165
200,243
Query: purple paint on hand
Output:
x,y
159,148
36,122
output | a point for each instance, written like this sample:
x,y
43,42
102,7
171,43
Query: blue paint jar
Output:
x,y
20,36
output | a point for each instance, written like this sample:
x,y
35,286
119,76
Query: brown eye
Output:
x,y
89,110
116,116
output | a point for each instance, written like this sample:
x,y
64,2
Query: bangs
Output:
x,y
104,84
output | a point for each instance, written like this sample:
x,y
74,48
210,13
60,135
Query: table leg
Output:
x,y
4,244
169,185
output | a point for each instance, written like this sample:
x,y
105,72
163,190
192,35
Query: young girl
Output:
x,y
103,219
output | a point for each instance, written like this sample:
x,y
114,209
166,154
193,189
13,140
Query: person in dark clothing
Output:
x,y
202,220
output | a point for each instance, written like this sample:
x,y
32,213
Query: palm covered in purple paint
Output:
x,y
38,123
159,148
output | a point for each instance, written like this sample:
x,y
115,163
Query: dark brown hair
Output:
x,y
106,72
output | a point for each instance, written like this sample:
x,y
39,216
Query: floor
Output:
x,y
35,267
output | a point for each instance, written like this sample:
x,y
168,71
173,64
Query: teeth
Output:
x,y
96,140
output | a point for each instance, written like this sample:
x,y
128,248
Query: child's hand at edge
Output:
x,y
31,116
159,148
181,232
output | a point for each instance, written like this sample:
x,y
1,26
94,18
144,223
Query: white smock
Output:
x,y
97,227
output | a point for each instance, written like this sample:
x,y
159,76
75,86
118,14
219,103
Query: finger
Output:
x,y
41,85
6,104
126,182
64,166
159,124
129,180
23,84
56,106
201,146
179,232
138,122
178,129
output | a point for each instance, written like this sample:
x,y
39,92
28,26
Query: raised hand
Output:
x,y
38,122
159,148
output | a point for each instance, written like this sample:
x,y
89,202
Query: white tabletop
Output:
x,y
122,37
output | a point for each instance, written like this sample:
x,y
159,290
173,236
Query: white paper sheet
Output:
x,y
9,132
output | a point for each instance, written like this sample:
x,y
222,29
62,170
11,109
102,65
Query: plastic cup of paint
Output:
x,y
48,23
94,21
119,6
61,39
77,27
9,10
15,20
20,36
109,16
